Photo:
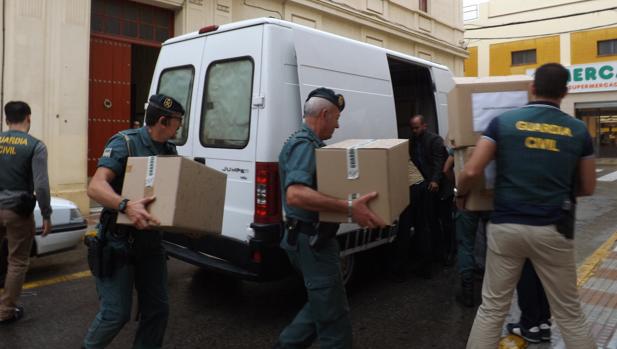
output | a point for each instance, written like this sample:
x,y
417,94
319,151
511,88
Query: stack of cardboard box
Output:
x,y
472,104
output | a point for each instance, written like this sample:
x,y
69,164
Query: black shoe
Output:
x,y
545,332
531,335
18,314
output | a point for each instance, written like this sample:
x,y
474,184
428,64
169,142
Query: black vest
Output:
x,y
16,152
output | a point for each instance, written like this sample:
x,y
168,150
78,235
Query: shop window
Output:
x,y
607,47
226,107
524,57
423,5
133,21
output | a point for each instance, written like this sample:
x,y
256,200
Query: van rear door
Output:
x,y
176,75
356,70
225,135
443,84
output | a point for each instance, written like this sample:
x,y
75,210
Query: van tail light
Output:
x,y
267,193
207,29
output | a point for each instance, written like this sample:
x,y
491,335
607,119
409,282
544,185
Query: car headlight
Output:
x,y
76,216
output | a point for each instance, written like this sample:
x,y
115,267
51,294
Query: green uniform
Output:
x,y
326,313
538,138
146,267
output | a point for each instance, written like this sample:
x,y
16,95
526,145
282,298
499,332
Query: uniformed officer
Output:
x,y
23,164
144,265
311,247
544,158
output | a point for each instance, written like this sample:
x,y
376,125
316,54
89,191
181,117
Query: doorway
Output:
x,y
601,121
125,41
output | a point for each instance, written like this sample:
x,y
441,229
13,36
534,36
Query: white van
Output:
x,y
243,86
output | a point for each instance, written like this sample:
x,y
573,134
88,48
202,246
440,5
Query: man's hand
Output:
x,y
46,227
137,213
362,215
433,186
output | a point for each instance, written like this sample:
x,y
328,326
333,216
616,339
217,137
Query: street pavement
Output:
x,y
212,311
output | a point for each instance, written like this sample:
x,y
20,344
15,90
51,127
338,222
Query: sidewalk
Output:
x,y
598,294
599,297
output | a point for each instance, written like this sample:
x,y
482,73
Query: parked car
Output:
x,y
68,228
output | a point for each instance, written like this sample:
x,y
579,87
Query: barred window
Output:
x,y
524,57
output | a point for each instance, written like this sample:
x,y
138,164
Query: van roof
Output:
x,y
274,21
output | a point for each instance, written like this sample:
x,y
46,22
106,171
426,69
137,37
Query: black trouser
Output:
x,y
531,298
428,234
399,256
447,245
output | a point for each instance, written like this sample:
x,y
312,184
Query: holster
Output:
x,y
104,259
565,225
318,233
25,205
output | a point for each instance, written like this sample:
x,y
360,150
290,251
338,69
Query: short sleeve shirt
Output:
x,y
116,152
297,166
538,150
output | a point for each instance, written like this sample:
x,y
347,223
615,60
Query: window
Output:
x,y
177,83
133,21
423,5
524,57
607,47
226,109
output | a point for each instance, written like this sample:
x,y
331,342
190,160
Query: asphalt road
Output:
x,y
211,311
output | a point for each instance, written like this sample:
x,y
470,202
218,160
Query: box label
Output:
x,y
353,168
150,171
486,106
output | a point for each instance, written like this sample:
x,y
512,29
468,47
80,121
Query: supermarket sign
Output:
x,y
593,77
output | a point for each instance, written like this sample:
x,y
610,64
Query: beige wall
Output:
x,y
46,55
46,65
496,12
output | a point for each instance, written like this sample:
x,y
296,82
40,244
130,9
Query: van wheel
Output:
x,y
4,263
348,267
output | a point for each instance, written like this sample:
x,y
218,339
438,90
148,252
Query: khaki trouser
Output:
x,y
19,233
552,256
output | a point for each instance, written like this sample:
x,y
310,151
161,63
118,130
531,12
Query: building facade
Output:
x,y
85,66
514,37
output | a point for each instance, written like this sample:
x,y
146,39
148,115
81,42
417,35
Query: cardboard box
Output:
x,y
190,197
480,197
356,167
474,102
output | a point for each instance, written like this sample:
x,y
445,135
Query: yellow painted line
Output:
x,y
587,269
57,280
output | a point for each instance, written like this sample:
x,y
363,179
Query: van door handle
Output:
x,y
201,160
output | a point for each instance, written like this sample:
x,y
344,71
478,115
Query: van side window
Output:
x,y
226,108
177,82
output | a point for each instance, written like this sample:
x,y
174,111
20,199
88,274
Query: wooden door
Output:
x,y
110,94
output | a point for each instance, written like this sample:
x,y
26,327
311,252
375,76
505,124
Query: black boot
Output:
x,y
465,295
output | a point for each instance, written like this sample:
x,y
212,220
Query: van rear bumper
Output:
x,y
259,259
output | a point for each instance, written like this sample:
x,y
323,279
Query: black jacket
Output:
x,y
429,154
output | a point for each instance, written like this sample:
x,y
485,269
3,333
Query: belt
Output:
x,y
307,228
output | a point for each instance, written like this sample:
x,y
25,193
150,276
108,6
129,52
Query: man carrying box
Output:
x,y
544,159
131,256
310,245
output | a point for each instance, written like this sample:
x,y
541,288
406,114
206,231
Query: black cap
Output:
x,y
166,104
337,99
